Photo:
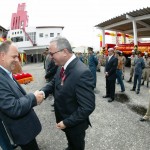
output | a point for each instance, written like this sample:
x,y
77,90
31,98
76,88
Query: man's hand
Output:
x,y
106,74
39,97
60,125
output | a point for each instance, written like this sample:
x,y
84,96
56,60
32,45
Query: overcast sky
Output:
x,y
77,16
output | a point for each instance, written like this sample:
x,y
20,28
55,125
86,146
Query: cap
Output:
x,y
110,49
115,47
118,52
90,49
145,53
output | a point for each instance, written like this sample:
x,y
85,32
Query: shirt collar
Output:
x,y
110,56
69,61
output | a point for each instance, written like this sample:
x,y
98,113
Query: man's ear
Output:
x,y
2,54
65,51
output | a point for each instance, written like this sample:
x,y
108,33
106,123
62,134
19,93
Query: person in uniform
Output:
x,y
119,70
123,64
139,66
146,70
133,59
146,117
92,62
99,62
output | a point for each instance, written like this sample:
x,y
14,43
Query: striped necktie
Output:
x,y
62,72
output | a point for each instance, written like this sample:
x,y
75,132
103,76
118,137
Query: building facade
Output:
x,y
33,41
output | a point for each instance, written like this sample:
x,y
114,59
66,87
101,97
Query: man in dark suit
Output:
x,y
16,107
73,87
51,71
110,74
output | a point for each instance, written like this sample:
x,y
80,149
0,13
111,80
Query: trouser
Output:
x,y
147,115
146,74
98,67
110,88
76,140
137,77
123,70
148,110
30,146
93,71
119,78
131,71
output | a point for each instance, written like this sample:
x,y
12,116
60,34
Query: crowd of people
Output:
x,y
71,79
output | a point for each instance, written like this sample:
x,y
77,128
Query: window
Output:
x,y
51,34
41,35
46,35
17,39
32,36
20,32
58,34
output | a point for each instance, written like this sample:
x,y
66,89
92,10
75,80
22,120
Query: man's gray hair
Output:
x,y
4,47
62,43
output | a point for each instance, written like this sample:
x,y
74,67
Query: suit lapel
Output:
x,y
71,65
19,86
11,82
111,59
67,71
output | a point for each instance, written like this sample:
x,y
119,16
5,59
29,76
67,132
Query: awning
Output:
x,y
123,23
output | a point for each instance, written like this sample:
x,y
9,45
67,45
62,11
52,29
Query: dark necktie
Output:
x,y
62,72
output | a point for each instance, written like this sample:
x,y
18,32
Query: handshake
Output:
x,y
39,96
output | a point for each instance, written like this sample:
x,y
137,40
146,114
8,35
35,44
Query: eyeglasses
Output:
x,y
52,54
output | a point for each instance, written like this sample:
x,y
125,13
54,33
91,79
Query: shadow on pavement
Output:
x,y
121,97
138,109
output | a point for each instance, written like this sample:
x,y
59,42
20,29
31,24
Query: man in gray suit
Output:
x,y
16,107
73,87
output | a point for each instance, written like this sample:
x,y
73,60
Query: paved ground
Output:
x,y
115,126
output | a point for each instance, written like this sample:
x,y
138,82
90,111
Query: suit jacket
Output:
x,y
111,67
16,110
75,99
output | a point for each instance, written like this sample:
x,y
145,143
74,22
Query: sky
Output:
x,y
77,16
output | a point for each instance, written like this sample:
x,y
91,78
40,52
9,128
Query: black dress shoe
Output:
x,y
67,148
110,100
137,92
132,90
106,96
142,119
122,90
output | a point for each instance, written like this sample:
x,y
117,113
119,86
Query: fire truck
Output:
x,y
126,49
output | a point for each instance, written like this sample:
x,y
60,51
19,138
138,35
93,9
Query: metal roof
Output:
x,y
2,28
123,23
51,27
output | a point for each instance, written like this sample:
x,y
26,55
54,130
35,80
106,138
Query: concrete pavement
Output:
x,y
115,126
